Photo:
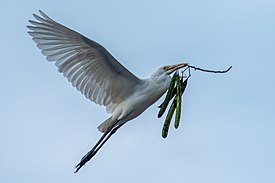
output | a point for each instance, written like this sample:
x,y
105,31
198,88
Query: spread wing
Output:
x,y
87,65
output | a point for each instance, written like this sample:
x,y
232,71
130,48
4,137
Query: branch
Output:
x,y
205,70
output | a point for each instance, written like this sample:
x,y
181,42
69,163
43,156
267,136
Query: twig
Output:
x,y
205,70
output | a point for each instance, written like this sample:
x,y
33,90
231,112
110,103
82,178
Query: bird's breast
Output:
x,y
148,94
142,97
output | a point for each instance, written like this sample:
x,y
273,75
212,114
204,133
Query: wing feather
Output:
x,y
86,64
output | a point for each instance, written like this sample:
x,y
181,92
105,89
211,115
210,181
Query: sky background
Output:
x,y
227,131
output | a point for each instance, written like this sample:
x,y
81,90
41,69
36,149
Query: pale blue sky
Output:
x,y
227,132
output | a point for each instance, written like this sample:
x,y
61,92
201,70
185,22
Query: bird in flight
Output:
x,y
94,72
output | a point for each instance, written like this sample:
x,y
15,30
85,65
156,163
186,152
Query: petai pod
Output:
x,y
169,95
178,103
178,112
167,122
174,91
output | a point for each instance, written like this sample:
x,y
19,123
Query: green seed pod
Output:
x,y
183,85
167,122
178,104
174,91
169,95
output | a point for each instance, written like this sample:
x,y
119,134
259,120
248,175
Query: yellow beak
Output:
x,y
172,68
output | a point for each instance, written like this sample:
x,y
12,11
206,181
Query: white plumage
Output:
x,y
97,74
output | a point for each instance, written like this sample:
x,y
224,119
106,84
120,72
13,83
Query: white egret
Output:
x,y
98,75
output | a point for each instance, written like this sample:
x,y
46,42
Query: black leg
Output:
x,y
97,146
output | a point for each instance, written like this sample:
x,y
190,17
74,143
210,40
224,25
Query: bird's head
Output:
x,y
164,72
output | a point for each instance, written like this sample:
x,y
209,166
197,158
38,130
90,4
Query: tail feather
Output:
x,y
103,127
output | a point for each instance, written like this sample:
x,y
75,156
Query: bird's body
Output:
x,y
98,75
147,92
